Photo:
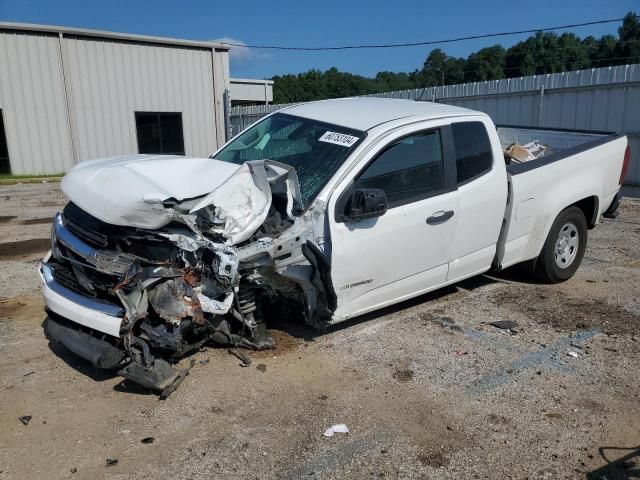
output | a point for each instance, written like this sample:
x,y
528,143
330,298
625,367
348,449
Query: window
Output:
x,y
474,156
409,170
315,149
160,133
5,166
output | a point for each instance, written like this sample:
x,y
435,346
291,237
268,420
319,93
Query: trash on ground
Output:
x,y
517,153
147,440
461,352
246,361
504,325
111,462
572,354
262,367
25,419
339,428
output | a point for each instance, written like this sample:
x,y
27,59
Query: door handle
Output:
x,y
440,217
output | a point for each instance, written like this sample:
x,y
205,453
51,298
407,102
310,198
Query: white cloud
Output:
x,y
239,52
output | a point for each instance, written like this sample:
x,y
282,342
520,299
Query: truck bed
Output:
x,y
561,143
579,167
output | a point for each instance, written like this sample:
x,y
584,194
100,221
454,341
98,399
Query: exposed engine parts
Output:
x,y
200,279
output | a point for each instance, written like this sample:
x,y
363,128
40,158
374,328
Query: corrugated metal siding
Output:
x,y
110,80
33,104
67,98
599,99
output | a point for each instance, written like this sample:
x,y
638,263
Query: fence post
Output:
x,y
226,99
540,107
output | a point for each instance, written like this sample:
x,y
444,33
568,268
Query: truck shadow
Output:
x,y
515,274
626,467
300,330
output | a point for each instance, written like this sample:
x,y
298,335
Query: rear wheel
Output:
x,y
564,248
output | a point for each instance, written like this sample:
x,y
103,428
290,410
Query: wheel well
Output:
x,y
589,207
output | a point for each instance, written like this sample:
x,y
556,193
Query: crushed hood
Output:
x,y
241,203
129,190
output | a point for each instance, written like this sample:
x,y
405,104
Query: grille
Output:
x,y
66,277
85,226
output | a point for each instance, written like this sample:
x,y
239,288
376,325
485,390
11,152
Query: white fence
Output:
x,y
599,99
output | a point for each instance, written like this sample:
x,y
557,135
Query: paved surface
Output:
x,y
428,388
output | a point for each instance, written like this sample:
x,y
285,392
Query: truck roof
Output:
x,y
368,112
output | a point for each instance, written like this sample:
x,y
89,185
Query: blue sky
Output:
x,y
328,22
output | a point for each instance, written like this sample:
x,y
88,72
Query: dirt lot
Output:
x,y
428,389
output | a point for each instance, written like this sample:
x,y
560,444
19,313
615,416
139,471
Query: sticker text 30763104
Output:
x,y
339,139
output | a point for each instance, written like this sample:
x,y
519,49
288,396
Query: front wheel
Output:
x,y
564,248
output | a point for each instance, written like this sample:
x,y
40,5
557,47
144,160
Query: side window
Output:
x,y
474,156
409,170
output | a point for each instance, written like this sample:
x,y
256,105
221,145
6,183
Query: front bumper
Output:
x,y
98,351
92,313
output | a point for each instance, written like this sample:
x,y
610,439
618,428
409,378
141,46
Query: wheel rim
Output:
x,y
567,245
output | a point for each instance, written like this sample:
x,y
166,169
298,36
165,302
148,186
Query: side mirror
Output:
x,y
366,203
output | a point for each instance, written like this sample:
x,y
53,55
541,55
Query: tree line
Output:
x,y
541,53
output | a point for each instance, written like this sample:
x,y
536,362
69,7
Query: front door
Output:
x,y
405,252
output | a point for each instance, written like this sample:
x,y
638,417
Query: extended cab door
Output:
x,y
406,251
482,188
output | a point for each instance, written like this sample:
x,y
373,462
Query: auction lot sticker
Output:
x,y
339,139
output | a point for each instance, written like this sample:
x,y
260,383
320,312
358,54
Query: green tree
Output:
x,y
485,64
441,69
541,53
628,48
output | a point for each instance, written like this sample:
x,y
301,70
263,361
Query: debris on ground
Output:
x,y
461,352
505,325
148,440
572,354
262,367
339,428
25,419
246,361
111,462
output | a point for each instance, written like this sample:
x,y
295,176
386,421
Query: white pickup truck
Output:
x,y
319,212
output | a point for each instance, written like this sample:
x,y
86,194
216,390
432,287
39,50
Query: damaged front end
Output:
x,y
206,276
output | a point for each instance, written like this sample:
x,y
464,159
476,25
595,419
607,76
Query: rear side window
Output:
x,y
408,170
474,156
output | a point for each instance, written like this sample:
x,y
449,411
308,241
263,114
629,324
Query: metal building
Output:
x,y
247,91
68,95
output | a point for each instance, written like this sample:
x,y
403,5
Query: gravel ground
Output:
x,y
427,388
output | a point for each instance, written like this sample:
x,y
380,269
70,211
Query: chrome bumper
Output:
x,y
100,260
90,312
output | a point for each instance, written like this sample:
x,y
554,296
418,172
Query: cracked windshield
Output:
x,y
315,149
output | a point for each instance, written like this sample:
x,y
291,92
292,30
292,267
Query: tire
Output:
x,y
564,248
